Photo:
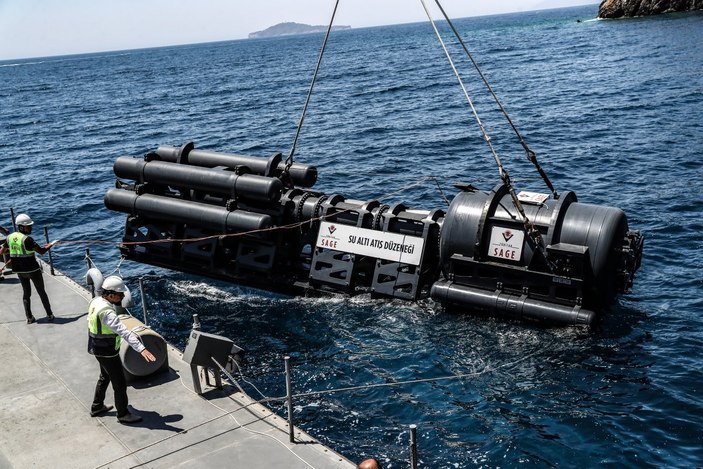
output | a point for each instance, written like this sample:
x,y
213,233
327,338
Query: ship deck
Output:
x,y
47,380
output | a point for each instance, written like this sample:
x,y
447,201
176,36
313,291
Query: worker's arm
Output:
x,y
113,322
31,245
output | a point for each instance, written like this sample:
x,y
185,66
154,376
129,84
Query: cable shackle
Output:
x,y
533,158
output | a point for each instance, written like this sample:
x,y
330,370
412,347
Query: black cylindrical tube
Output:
x,y
301,174
184,211
509,305
202,179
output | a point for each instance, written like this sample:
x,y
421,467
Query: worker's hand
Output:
x,y
148,356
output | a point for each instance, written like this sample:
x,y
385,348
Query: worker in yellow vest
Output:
x,y
22,248
105,332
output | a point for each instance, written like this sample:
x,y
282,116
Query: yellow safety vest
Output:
x,y
102,341
23,260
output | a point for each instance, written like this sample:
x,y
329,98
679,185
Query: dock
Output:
x,y
47,379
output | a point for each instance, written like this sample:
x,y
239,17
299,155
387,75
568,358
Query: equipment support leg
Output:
x,y
196,379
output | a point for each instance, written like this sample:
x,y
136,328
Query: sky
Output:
x,y
40,28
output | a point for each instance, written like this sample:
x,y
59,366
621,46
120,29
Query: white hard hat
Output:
x,y
23,220
114,283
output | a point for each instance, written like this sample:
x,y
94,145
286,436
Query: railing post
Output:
x,y
196,322
413,446
12,217
51,260
87,264
289,399
141,291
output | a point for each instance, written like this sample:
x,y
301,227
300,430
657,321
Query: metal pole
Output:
x,y
12,217
289,398
141,291
413,446
51,260
87,263
196,322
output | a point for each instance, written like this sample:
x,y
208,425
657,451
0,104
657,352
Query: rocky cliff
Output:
x,y
630,8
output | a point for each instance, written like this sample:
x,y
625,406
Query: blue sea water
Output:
x,y
614,110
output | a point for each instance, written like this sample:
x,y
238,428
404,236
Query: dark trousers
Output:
x,y
38,280
111,372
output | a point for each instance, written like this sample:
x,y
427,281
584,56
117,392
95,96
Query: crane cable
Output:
x,y
531,155
289,159
530,227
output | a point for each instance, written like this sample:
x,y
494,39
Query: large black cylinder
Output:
x,y
207,180
301,175
184,211
473,217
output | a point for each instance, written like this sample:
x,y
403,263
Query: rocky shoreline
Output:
x,y
633,8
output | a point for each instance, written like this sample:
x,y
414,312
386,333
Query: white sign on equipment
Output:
x,y
388,246
506,243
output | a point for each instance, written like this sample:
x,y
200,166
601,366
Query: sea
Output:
x,y
614,111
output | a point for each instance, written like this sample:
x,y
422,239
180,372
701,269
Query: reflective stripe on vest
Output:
x,y
102,340
23,260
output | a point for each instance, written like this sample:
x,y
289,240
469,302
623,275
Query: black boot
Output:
x,y
28,311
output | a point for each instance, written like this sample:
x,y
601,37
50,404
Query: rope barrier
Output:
x,y
474,374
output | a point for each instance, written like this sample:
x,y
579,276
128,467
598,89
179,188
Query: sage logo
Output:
x,y
506,243
332,229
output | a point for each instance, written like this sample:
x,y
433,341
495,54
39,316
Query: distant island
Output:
x,y
634,8
290,29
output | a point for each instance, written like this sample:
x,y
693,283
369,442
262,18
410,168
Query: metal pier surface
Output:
x,y
47,380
